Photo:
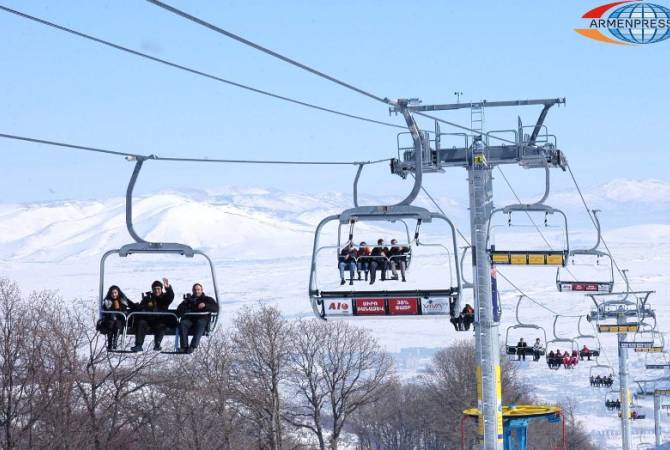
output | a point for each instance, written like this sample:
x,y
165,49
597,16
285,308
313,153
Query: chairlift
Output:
x,y
591,351
511,346
557,340
645,339
602,259
657,361
601,376
385,302
142,247
613,400
544,257
656,337
645,388
610,308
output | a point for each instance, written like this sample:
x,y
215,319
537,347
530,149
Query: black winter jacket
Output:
x,y
190,305
158,303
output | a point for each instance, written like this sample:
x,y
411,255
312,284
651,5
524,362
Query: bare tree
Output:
x,y
261,345
199,397
337,367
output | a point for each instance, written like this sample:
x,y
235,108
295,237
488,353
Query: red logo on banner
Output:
x,y
338,306
370,306
401,306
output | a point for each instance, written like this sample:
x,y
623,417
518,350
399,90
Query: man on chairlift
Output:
x,y
347,261
380,256
398,256
521,347
537,349
191,313
158,300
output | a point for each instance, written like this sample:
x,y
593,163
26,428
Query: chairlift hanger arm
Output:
x,y
540,121
594,250
358,176
420,145
129,199
466,284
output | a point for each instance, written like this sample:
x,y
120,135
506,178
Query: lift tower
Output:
x,y
621,306
479,155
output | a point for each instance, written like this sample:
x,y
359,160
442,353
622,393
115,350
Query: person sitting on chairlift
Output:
x,y
398,256
537,349
347,261
585,352
551,359
188,311
608,380
468,315
455,319
363,263
154,301
115,301
569,361
521,347
574,358
380,256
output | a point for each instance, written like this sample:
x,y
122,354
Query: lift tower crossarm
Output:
x,y
484,103
526,153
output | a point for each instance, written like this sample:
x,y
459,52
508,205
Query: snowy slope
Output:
x,y
261,240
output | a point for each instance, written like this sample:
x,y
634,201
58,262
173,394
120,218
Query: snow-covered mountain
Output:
x,y
248,223
260,240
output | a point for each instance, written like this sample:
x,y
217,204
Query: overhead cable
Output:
x,y
195,71
266,50
284,58
183,159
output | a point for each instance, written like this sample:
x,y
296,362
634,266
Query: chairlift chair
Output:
x,y
557,340
644,340
594,349
385,302
611,307
581,285
510,345
543,257
140,246
171,316
657,339
657,361
600,370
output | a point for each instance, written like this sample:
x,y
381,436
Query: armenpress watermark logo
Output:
x,y
628,22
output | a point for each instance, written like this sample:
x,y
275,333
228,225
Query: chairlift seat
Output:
x,y
380,302
528,351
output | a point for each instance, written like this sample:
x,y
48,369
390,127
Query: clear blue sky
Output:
x,y
60,87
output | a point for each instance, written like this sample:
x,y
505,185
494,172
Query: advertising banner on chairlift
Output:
x,y
338,307
370,307
585,287
403,306
434,306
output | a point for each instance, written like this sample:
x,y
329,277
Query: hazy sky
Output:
x,y
57,86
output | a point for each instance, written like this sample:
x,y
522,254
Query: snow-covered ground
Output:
x,y
260,241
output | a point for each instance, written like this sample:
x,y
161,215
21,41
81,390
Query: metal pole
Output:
x,y
488,375
657,419
624,388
